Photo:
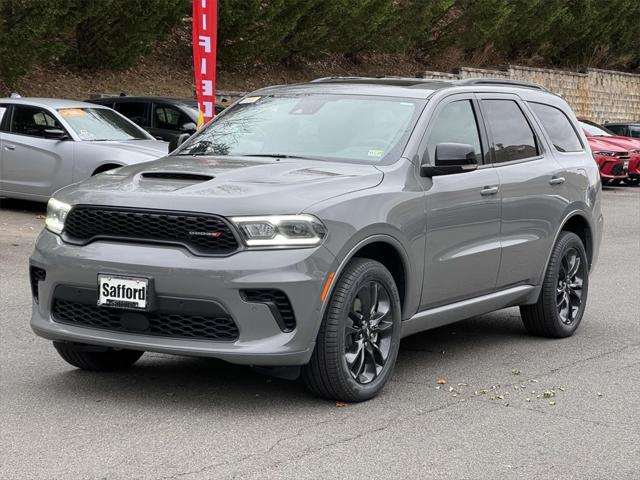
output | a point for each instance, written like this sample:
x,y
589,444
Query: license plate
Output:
x,y
123,292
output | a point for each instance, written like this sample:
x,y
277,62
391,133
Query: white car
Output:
x,y
47,144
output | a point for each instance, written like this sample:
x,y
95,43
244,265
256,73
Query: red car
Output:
x,y
618,157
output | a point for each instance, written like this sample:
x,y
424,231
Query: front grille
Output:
x,y
278,303
175,325
36,274
203,234
618,169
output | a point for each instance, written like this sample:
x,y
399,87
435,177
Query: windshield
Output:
x,y
101,124
595,129
351,128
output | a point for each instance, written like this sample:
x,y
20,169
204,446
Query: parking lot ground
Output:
x,y
187,418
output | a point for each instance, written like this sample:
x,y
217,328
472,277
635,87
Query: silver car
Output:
x,y
47,144
313,226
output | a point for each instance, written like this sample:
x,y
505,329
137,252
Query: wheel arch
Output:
x,y
577,223
388,251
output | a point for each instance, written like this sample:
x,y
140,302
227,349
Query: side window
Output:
x,y
134,111
456,123
558,127
513,138
634,132
32,121
168,117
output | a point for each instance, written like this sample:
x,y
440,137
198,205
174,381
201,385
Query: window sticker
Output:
x,y
375,152
72,112
250,100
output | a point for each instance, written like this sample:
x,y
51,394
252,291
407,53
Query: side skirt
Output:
x,y
454,312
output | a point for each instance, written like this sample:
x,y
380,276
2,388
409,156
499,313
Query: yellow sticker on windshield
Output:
x,y
374,152
72,112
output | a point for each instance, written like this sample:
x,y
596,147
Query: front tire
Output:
x,y
86,358
563,297
359,338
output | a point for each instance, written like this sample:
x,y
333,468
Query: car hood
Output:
x,y
614,144
223,185
140,149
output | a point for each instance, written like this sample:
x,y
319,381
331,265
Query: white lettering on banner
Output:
x,y
204,21
207,88
205,41
203,3
208,109
203,66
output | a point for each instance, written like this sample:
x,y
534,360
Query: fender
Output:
x,y
568,217
351,253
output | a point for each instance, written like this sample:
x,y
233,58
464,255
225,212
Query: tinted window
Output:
x,y
32,121
134,111
168,117
558,127
513,138
635,132
456,123
618,129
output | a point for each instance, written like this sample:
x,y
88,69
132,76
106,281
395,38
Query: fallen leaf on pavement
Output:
x,y
341,404
441,381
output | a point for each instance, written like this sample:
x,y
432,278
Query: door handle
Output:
x,y
9,147
489,191
556,180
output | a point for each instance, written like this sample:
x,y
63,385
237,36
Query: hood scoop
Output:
x,y
179,176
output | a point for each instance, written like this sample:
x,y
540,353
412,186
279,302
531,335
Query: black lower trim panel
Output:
x,y
171,316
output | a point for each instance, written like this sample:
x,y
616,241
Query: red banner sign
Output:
x,y
205,32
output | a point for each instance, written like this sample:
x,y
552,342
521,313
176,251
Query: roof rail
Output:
x,y
500,81
381,80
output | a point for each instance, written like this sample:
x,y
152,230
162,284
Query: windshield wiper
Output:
x,y
276,155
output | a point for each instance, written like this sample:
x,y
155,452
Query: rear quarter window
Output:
x,y
558,127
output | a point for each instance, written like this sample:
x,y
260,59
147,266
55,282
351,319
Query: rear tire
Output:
x,y
563,297
97,360
359,338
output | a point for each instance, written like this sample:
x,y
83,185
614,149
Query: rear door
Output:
x,y
32,164
462,254
533,188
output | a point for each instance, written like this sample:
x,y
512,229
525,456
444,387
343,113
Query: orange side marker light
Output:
x,y
327,285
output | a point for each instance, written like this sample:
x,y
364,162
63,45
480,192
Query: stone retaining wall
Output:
x,y
600,95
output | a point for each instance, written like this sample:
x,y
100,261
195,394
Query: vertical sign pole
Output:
x,y
205,32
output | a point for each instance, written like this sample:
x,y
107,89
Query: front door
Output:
x,y
462,255
31,163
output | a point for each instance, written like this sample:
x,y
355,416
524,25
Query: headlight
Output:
x,y
281,230
636,150
56,213
605,153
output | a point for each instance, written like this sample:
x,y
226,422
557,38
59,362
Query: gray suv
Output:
x,y
313,226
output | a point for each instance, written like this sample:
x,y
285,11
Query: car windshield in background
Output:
x,y
100,124
351,128
596,130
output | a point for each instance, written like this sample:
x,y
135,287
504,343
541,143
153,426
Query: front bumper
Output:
x,y
612,168
299,273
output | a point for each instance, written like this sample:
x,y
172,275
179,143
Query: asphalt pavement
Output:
x,y
514,406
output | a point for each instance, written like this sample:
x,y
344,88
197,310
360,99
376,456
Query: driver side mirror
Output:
x,y
55,134
451,158
177,140
188,127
